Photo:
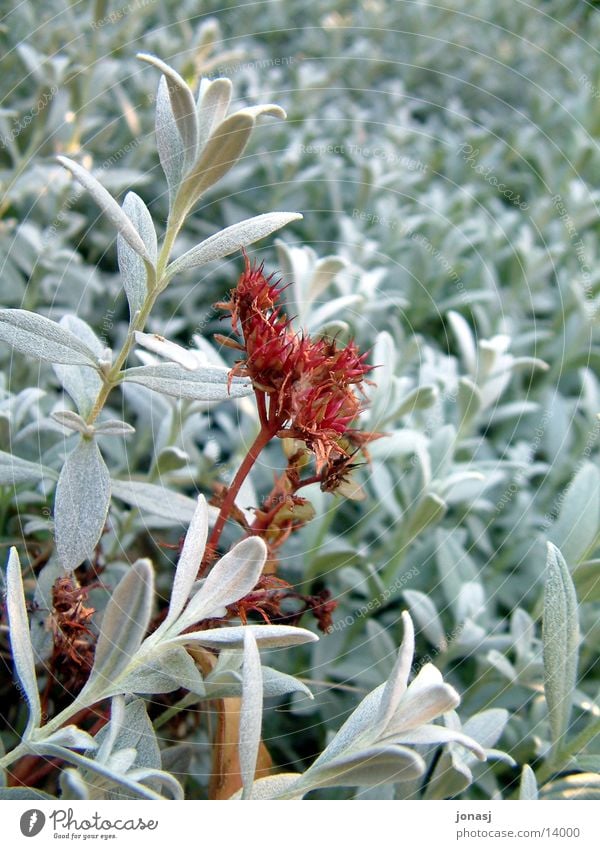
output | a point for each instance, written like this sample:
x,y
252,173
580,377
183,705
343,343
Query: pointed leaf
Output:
x,y
222,151
369,767
208,384
528,790
250,713
81,504
182,104
72,737
124,625
230,579
20,640
398,680
82,383
213,103
267,636
189,563
108,205
163,672
156,500
131,265
560,638
43,339
232,239
168,139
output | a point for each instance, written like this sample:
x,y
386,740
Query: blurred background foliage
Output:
x,y
445,157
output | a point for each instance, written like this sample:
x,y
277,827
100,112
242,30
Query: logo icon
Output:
x,y
32,822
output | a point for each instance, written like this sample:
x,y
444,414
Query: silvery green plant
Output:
x,y
123,760
198,143
127,661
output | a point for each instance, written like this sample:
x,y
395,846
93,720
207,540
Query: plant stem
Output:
x,y
156,284
265,434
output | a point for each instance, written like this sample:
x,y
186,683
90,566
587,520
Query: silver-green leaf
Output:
x,y
81,504
20,640
43,339
123,628
182,105
250,712
208,384
232,239
560,638
133,269
108,205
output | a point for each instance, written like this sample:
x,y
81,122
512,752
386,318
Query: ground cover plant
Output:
x,y
299,487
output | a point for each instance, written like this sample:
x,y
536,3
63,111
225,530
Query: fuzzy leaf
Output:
x,y
275,786
189,563
277,683
560,638
208,384
425,613
108,205
82,383
578,524
168,139
230,579
156,500
72,421
20,640
232,239
43,339
222,151
163,672
72,738
528,790
81,504
213,103
113,427
396,684
372,766
267,636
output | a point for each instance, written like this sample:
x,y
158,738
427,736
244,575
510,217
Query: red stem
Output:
x,y
266,433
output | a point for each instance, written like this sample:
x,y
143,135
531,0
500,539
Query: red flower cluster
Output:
x,y
305,388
